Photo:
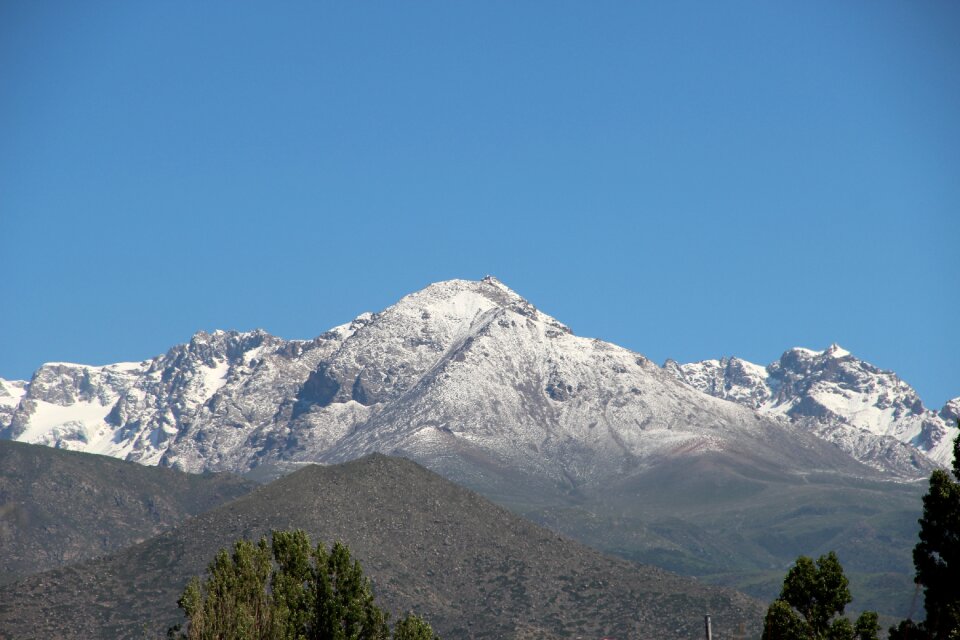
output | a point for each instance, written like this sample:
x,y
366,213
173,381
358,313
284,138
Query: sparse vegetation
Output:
x,y
60,507
427,545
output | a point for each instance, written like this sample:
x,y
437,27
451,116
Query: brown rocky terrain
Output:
x,y
473,569
60,507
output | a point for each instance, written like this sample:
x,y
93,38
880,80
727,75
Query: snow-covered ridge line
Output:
x,y
832,387
458,368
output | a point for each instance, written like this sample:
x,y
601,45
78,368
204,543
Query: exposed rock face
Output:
x,y
462,369
11,393
728,378
135,410
846,400
951,411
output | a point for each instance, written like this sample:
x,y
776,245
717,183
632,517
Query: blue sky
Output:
x,y
689,180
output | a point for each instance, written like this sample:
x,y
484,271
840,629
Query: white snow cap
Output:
x,y
833,351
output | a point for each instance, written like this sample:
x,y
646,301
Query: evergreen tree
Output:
x,y
288,591
811,604
937,559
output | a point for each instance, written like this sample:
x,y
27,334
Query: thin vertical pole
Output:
x,y
706,623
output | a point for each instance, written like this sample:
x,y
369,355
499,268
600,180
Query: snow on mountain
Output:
x,y
951,411
67,405
463,372
11,392
841,397
133,411
460,374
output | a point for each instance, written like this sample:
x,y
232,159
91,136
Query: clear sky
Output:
x,y
689,180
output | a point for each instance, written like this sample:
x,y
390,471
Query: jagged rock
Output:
x,y
849,400
459,365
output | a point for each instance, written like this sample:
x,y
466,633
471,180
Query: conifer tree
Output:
x,y
811,604
937,559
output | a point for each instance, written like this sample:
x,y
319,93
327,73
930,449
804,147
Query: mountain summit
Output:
x,y
460,365
459,371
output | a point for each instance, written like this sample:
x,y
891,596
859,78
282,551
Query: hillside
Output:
x,y
60,507
473,569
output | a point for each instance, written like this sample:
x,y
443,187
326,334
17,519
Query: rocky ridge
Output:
x,y
459,370
853,403
475,383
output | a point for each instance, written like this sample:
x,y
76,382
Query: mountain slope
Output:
x,y
845,399
11,392
134,410
474,382
473,569
459,364
60,507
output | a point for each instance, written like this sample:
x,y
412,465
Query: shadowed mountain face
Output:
x,y
60,507
473,569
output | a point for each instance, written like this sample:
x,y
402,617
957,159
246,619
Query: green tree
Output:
x,y
867,627
906,630
232,602
937,558
343,605
811,604
293,597
288,590
413,628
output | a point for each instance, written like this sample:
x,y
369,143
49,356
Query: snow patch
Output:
x,y
859,410
11,391
88,417
754,369
214,378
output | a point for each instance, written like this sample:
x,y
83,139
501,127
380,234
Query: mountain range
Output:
x,y
721,469
473,569
458,364
848,400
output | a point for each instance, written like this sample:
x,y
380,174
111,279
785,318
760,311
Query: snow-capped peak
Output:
x,y
832,387
951,411
457,303
11,392
470,358
836,351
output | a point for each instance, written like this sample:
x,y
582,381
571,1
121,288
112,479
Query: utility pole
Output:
x,y
706,623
